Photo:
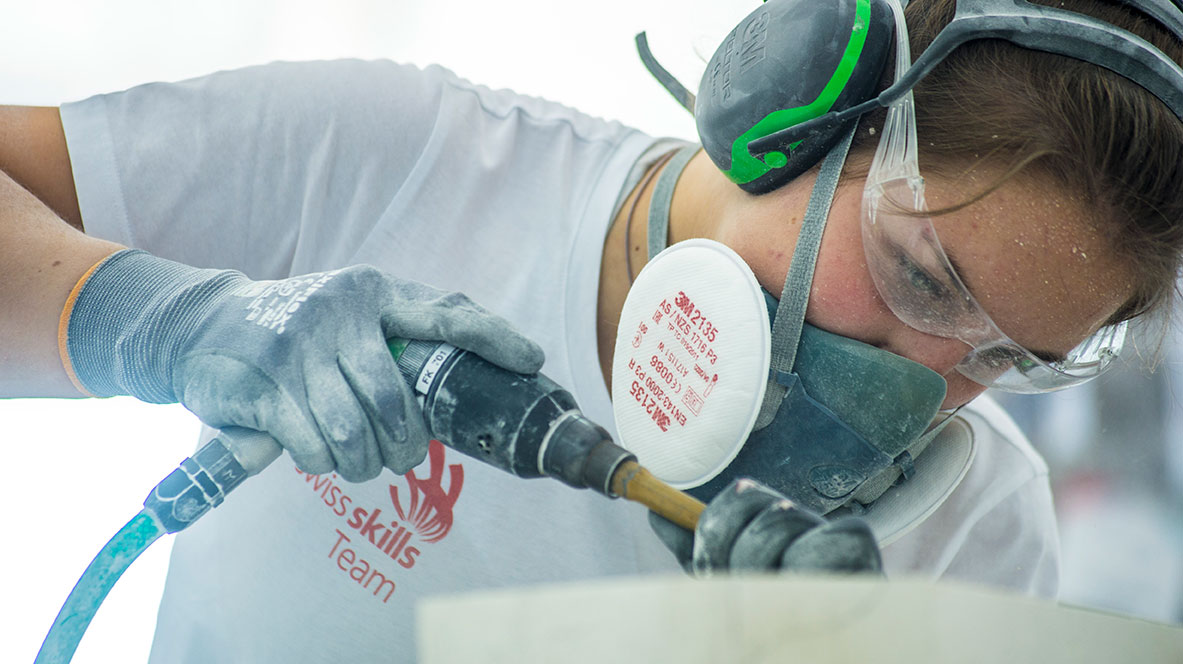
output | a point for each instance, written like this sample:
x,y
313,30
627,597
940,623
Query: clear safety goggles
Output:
x,y
919,284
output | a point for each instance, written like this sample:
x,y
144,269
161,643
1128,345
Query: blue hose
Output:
x,y
198,484
513,444
90,591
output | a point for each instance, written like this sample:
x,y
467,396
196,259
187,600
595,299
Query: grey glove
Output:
x,y
748,526
303,359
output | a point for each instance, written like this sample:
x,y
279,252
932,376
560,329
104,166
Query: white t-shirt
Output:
x,y
292,168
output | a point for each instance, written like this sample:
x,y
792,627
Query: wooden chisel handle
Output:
x,y
633,482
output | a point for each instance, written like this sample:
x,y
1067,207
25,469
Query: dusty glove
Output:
x,y
748,526
302,359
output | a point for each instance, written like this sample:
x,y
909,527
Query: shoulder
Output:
x,y
292,103
997,435
353,93
997,526
476,103
975,463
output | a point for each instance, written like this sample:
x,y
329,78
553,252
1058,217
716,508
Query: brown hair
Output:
x,y
1101,136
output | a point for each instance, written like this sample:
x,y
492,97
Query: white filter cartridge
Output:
x,y
691,361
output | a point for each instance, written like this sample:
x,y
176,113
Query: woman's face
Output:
x,y
1025,252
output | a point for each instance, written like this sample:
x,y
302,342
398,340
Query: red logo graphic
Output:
x,y
430,508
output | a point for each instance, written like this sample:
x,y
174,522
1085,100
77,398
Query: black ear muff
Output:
x,y
788,62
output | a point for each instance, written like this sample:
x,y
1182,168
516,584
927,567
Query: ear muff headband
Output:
x,y
1166,12
1031,26
748,137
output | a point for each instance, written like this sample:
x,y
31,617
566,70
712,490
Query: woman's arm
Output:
x,y
41,258
33,153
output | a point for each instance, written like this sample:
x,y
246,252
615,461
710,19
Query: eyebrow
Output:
x,y
1046,355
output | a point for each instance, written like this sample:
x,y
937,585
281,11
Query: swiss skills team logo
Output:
x,y
372,542
429,504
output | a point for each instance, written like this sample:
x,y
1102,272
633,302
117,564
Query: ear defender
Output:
x,y
788,62
791,77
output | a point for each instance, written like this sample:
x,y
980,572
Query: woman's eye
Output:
x,y
1004,357
923,282
999,356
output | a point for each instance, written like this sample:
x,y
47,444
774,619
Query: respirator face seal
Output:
x,y
850,412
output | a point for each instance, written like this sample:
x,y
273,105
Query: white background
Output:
x,y
77,470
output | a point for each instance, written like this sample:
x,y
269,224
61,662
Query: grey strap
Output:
x,y
663,194
790,312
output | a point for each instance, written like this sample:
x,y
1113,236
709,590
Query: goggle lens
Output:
x,y
919,284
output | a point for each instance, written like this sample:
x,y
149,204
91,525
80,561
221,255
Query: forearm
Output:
x,y
33,152
41,259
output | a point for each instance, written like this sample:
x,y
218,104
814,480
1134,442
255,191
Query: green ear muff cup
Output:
x,y
787,62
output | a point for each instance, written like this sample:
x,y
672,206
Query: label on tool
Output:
x,y
431,367
691,362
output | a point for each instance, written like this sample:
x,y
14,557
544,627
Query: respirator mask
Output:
x,y
714,378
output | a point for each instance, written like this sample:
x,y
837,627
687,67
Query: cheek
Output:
x,y
849,305
960,390
843,299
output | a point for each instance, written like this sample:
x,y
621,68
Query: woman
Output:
x,y
525,206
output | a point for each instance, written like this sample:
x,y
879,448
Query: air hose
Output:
x,y
523,424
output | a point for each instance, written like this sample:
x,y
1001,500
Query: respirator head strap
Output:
x,y
794,296
662,198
